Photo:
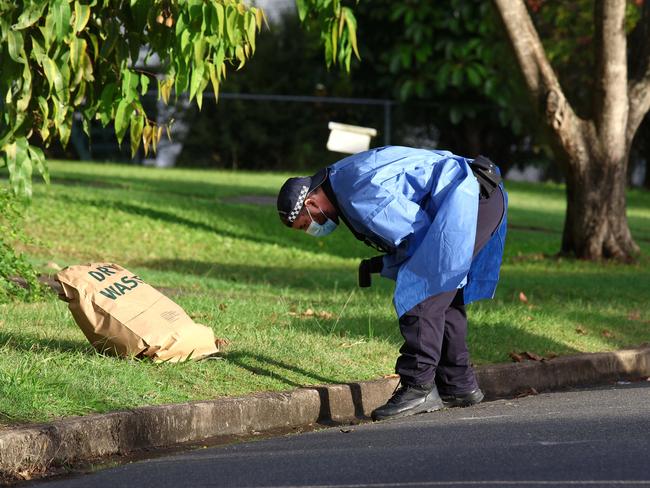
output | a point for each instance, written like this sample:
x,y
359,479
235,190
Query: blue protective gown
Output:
x,y
422,205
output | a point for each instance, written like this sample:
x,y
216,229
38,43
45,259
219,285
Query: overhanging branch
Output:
x,y
541,80
639,83
611,97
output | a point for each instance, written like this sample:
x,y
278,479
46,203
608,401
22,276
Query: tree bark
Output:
x,y
593,153
596,224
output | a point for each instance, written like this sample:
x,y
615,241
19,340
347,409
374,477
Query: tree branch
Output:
x,y
541,80
611,98
639,82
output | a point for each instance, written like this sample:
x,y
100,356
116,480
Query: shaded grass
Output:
x,y
233,267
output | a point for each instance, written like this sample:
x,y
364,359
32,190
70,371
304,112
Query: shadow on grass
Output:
x,y
313,278
30,343
255,224
160,186
259,364
577,280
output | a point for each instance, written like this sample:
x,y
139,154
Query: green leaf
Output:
x,y
335,39
122,118
239,54
52,74
38,51
95,44
80,95
220,18
87,67
252,28
77,47
62,15
218,59
199,50
129,85
197,77
194,8
38,160
137,125
44,130
214,78
30,15
15,45
81,16
19,165
473,76
302,9
26,90
144,84
351,23
231,24
48,29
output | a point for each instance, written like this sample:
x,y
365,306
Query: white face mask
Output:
x,y
320,230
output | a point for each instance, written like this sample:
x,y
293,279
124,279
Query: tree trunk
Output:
x,y
595,152
596,222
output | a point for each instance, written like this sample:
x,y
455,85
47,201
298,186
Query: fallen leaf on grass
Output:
x,y
533,356
519,357
200,315
581,330
221,342
522,297
607,333
634,315
223,307
323,314
393,375
530,391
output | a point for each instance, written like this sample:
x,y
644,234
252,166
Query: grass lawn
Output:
x,y
288,303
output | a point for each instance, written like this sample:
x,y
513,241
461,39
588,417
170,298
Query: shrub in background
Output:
x,y
12,263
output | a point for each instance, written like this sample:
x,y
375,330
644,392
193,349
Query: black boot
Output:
x,y
409,400
463,399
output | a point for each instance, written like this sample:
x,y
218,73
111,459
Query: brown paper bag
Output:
x,y
121,314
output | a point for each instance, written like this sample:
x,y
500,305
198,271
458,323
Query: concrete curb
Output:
x,y
35,448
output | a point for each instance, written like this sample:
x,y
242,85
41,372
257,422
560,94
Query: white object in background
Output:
x,y
349,139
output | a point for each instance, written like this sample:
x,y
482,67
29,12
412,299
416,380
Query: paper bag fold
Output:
x,y
121,314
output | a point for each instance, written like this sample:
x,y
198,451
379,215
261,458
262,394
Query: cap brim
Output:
x,y
318,179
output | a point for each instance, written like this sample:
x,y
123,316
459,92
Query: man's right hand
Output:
x,y
367,267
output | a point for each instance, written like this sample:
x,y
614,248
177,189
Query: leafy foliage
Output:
x,y
14,265
337,25
59,58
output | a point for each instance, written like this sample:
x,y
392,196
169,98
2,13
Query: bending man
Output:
x,y
439,221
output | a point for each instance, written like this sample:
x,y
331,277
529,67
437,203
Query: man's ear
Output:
x,y
311,203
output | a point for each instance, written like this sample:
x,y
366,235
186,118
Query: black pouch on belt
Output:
x,y
487,175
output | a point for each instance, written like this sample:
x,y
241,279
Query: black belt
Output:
x,y
487,174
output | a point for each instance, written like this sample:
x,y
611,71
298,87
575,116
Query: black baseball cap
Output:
x,y
294,192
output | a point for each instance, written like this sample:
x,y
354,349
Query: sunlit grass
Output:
x,y
235,268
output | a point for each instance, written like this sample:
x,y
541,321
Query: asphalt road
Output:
x,y
593,437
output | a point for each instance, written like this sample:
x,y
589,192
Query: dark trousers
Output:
x,y
435,330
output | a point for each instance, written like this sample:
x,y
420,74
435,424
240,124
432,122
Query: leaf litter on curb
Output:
x,y
528,392
519,357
